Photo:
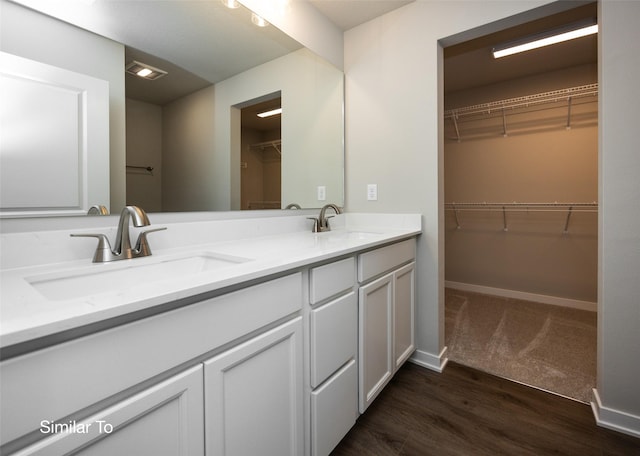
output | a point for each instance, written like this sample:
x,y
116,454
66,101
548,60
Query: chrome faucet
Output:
x,y
123,250
321,223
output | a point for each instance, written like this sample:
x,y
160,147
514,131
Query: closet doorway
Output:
x,y
261,154
521,188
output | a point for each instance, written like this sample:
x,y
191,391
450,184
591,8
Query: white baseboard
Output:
x,y
614,419
544,299
434,362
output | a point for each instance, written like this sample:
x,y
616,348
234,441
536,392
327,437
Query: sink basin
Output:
x,y
120,275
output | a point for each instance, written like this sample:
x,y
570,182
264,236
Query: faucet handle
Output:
x,y
103,251
316,224
142,246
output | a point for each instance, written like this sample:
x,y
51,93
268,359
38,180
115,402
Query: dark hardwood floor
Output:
x,y
467,412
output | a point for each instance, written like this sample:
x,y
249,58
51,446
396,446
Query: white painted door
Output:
x,y
54,154
254,396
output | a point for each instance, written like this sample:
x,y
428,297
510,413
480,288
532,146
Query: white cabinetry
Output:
x,y
333,325
166,419
386,315
114,371
254,396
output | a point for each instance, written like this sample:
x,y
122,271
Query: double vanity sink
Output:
x,y
43,299
259,316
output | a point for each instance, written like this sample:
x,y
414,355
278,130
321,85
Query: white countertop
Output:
x,y
26,313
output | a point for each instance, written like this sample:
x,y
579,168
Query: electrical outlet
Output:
x,y
322,193
372,192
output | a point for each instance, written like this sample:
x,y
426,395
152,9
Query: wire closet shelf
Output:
x,y
569,208
588,93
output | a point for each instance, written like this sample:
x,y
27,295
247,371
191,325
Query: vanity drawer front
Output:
x,y
331,279
376,262
334,336
60,380
334,409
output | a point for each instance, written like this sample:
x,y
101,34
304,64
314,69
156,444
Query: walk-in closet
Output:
x,y
521,210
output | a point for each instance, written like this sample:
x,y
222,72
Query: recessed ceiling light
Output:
x,y
233,4
259,21
273,112
570,32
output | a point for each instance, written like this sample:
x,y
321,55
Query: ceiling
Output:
x,y
471,64
347,14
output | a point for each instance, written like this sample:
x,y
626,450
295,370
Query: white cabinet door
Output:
x,y
404,314
166,419
376,338
254,396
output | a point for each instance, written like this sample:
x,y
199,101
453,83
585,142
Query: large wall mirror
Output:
x,y
179,142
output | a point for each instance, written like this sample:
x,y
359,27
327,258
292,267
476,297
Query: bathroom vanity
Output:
x,y
240,337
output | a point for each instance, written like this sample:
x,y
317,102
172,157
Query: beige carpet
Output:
x,y
545,346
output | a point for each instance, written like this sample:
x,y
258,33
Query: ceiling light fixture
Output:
x,y
537,41
273,112
233,4
144,71
259,21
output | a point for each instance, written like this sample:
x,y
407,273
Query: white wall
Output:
x,y
618,405
311,126
35,36
393,68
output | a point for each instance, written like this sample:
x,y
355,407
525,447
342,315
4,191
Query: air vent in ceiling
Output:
x,y
144,71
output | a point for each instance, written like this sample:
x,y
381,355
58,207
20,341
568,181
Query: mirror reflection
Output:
x,y
181,145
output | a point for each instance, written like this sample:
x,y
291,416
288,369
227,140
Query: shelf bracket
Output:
x,y
566,222
569,113
455,212
504,123
454,117
504,219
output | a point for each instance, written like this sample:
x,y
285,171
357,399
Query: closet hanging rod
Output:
x,y
524,101
149,169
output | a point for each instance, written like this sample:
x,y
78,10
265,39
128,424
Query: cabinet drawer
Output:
x,y
334,336
374,263
331,279
58,381
334,409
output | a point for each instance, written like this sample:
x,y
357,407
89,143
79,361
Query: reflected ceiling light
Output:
x,y
233,4
259,21
555,36
144,71
273,112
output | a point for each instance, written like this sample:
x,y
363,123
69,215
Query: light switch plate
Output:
x,y
372,192
322,193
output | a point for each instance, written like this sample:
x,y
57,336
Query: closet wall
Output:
x,y
260,174
539,160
